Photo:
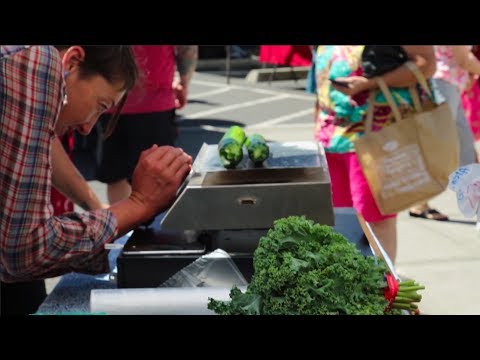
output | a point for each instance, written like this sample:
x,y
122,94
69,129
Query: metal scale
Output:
x,y
232,210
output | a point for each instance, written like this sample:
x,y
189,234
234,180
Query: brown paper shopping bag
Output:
x,y
409,161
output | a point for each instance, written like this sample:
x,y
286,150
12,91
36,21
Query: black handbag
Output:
x,y
380,59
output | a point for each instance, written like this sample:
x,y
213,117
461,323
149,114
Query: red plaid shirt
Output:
x,y
33,243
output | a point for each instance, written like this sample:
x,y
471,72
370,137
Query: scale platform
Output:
x,y
294,180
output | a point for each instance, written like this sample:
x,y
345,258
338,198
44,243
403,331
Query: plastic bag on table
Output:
x,y
465,181
215,269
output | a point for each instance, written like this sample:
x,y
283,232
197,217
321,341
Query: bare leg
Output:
x,y
119,190
420,208
386,232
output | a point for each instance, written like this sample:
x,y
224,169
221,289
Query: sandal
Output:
x,y
429,214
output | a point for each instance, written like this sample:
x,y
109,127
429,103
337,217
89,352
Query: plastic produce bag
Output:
x,y
215,269
465,181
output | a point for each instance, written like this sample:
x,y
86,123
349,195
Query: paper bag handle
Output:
x,y
391,102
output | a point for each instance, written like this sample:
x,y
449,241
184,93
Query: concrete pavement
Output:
x,y
444,256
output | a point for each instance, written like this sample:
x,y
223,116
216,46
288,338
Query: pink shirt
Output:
x,y
157,69
447,68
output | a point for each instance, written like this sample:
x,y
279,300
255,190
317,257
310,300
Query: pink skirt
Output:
x,y
471,105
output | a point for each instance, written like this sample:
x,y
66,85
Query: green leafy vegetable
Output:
x,y
305,268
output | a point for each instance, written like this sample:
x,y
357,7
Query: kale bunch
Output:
x,y
303,268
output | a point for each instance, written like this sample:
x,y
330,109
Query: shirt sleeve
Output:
x,y
34,243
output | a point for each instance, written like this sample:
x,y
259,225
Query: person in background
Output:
x,y
45,92
77,189
471,104
471,99
148,116
62,204
311,82
455,65
340,120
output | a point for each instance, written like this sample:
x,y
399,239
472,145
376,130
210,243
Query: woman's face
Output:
x,y
87,98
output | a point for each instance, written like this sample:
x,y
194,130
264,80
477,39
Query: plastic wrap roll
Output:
x,y
156,301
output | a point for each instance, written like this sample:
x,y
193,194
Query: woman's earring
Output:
x,y
65,100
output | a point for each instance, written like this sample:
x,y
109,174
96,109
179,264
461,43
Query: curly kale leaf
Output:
x,y
240,304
